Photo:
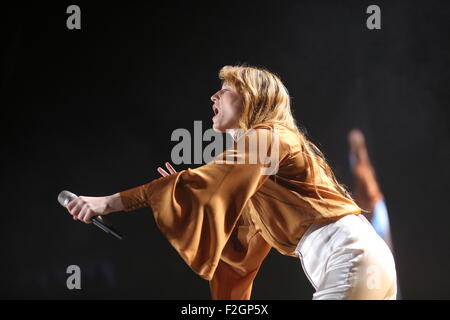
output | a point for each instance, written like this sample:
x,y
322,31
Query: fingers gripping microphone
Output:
x,y
65,197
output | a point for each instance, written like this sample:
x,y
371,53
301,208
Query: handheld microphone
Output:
x,y
65,197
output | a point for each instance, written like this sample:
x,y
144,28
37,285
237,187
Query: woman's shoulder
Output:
x,y
288,138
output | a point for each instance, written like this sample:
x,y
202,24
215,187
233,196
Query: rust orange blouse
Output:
x,y
223,218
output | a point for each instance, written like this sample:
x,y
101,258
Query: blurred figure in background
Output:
x,y
366,190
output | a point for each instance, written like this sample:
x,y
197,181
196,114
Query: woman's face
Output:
x,y
227,109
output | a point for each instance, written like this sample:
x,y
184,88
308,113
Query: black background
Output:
x,y
92,111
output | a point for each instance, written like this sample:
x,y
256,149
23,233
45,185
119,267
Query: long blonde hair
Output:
x,y
266,101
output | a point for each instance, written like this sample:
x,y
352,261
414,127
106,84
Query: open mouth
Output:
x,y
215,110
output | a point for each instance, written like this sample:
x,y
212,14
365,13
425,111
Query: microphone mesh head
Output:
x,y
64,197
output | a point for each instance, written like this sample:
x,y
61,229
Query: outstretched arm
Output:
x,y
197,209
85,208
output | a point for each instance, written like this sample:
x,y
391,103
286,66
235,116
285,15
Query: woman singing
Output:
x,y
224,217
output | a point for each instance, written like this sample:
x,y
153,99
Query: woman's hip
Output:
x,y
346,259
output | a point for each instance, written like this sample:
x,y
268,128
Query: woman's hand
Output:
x,y
85,208
164,173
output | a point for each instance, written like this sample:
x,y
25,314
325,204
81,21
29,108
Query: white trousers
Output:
x,y
347,259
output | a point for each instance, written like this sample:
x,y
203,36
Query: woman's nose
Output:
x,y
214,97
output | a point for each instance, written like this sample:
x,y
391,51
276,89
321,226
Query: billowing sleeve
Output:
x,y
239,263
197,209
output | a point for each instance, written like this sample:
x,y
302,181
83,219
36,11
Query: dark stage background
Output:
x,y
92,111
